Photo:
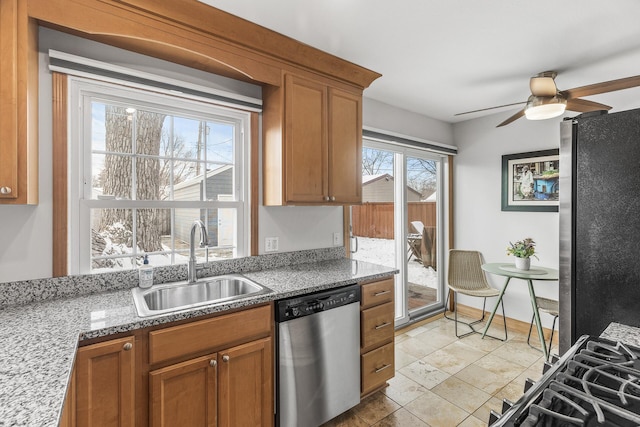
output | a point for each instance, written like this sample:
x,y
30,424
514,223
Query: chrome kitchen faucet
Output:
x,y
204,241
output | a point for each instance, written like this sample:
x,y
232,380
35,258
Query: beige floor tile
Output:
x,y
436,338
472,421
436,411
375,407
518,352
483,412
417,331
483,379
402,358
348,419
403,390
400,337
401,418
476,341
454,357
511,391
417,348
425,374
461,394
500,366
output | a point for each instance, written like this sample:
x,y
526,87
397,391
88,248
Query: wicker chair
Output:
x,y
467,278
551,307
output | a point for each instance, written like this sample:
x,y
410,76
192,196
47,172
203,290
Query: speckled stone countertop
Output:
x,y
39,340
623,333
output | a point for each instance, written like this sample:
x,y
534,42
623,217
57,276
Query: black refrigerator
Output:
x,y
599,223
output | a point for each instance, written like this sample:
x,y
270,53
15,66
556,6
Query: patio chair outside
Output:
x,y
422,244
467,278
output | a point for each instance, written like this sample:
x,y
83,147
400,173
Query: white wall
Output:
x,y
386,117
479,221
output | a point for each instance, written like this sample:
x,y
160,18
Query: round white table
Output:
x,y
535,273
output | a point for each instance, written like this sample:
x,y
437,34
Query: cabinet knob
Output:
x,y
127,346
326,198
5,190
333,198
213,363
225,358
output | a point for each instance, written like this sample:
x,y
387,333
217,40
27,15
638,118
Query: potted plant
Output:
x,y
523,250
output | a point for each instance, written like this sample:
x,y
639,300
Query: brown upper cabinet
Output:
x,y
18,105
312,143
193,34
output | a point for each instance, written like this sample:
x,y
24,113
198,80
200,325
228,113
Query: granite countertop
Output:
x,y
39,340
623,333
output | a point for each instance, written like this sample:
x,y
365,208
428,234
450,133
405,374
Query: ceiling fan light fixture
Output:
x,y
544,107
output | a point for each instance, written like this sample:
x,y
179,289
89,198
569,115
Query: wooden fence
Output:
x,y
376,219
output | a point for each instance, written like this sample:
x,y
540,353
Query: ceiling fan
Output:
x,y
546,101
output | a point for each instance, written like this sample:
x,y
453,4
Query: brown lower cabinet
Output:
x,y
218,372
377,335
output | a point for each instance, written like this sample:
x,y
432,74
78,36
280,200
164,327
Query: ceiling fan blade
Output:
x,y
603,87
513,118
584,106
491,108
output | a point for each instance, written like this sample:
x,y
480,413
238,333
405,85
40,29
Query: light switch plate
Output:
x,y
271,244
337,239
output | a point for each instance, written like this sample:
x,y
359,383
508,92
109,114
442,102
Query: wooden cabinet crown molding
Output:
x,y
194,34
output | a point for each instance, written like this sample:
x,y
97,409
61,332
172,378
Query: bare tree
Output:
x,y
375,161
117,176
421,175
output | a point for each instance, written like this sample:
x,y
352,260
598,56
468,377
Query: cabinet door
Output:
x,y
105,384
345,147
305,140
246,385
184,394
68,416
18,104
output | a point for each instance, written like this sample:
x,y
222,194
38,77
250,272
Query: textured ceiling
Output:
x,y
444,57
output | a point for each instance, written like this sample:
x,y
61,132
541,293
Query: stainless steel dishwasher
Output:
x,y
318,356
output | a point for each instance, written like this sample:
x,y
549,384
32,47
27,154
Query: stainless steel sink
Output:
x,y
181,295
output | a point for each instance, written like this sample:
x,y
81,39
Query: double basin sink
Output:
x,y
177,296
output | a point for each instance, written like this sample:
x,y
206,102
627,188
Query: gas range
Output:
x,y
596,383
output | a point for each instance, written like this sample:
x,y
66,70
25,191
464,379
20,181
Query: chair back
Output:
x,y
418,226
465,271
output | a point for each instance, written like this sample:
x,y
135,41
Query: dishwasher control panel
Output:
x,y
305,305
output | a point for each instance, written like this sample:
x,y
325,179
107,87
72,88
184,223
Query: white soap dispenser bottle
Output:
x,y
145,274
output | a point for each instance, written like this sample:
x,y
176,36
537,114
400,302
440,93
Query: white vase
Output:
x,y
523,263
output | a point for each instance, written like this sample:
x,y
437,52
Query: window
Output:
x,y
149,165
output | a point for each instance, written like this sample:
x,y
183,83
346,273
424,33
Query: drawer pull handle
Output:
x,y
384,325
127,346
383,368
377,294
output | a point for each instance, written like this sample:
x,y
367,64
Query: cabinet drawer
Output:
x,y
376,326
377,367
377,293
210,334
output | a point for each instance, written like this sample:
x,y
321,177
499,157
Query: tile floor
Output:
x,y
442,381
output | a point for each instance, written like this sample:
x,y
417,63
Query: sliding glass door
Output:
x,y
399,223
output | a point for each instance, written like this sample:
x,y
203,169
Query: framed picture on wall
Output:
x,y
530,181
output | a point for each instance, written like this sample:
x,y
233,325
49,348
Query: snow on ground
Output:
x,y
382,251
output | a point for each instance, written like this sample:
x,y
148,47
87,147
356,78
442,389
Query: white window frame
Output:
x,y
79,158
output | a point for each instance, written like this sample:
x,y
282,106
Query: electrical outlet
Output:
x,y
337,239
271,244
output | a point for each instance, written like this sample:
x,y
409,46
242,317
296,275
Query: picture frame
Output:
x,y
530,181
